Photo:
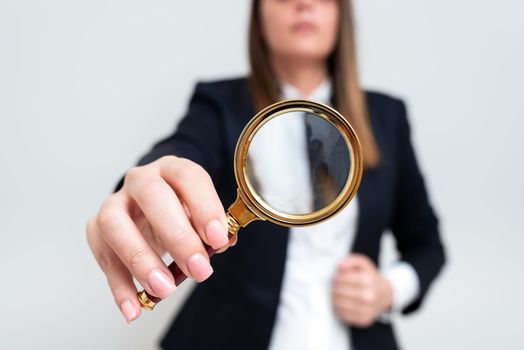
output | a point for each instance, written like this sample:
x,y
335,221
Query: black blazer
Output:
x,y
236,307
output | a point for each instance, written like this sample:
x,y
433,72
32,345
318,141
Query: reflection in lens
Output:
x,y
298,163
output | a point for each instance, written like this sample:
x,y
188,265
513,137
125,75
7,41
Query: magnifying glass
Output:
x,y
312,178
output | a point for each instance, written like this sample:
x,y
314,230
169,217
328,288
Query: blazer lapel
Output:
x,y
372,197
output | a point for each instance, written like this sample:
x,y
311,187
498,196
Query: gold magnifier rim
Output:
x,y
262,209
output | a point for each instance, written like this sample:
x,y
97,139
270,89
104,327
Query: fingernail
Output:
x,y
129,311
216,234
161,285
199,267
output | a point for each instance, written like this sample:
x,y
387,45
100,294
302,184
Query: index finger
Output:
x,y
356,261
195,188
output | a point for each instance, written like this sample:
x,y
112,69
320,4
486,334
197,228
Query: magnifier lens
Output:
x,y
297,163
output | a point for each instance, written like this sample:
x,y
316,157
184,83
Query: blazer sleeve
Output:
x,y
198,137
415,225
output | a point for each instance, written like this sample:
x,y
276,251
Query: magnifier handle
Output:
x,y
148,301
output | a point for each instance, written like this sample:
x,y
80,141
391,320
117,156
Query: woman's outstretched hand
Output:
x,y
169,205
360,293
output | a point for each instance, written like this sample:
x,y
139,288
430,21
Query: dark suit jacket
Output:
x,y
236,307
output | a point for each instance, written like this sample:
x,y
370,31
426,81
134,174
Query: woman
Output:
x,y
255,296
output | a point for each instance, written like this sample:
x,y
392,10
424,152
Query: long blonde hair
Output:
x,y
349,97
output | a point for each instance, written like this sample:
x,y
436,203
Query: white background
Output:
x,y
87,87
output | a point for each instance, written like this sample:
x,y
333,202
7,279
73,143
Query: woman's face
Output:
x,y
300,29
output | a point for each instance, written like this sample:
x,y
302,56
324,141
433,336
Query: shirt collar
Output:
x,y
322,93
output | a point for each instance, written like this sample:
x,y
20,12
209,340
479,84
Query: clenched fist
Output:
x,y
360,293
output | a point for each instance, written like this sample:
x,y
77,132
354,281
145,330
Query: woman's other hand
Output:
x,y
360,293
169,205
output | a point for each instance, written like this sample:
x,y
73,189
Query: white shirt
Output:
x,y
305,317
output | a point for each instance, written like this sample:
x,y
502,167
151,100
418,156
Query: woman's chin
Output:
x,y
307,51
307,56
